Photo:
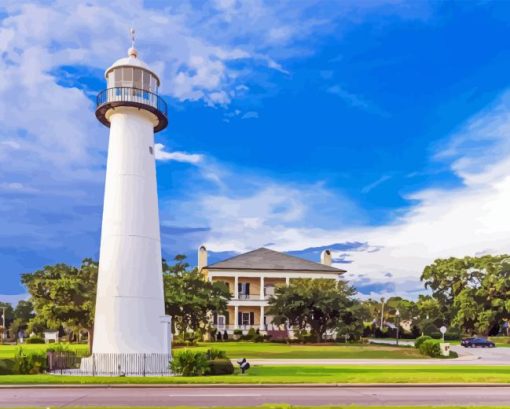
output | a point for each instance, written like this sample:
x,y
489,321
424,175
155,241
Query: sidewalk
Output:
x,y
462,360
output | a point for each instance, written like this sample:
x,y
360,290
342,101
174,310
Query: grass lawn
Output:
x,y
300,374
8,351
252,350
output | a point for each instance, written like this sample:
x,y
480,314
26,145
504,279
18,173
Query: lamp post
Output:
x,y
397,315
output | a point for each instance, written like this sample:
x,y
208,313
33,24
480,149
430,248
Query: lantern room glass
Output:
x,y
132,77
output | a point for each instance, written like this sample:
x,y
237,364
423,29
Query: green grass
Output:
x,y
270,350
252,350
301,374
8,351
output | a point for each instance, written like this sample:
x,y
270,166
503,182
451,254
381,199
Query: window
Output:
x,y
244,290
127,76
246,318
111,79
146,81
137,78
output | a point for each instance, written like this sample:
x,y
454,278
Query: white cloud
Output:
x,y
470,219
163,155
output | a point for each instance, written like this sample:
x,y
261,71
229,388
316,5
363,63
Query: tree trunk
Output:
x,y
90,339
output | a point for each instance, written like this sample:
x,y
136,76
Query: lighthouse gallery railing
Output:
x,y
132,95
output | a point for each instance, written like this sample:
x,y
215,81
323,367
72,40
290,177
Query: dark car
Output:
x,y
477,343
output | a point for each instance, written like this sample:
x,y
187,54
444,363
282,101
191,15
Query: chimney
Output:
x,y
202,257
326,258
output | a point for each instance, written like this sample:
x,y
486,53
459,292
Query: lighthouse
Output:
x,y
131,331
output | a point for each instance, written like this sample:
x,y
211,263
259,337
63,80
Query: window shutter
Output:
x,y
239,318
252,318
215,319
240,288
227,318
247,289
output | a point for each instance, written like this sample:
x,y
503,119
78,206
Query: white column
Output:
x,y
287,281
262,295
261,324
236,314
236,289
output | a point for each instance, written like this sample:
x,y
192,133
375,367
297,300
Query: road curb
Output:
x,y
251,385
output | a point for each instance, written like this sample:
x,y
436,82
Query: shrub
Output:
x,y
215,354
431,347
7,367
29,363
421,340
34,340
251,334
238,332
220,367
190,363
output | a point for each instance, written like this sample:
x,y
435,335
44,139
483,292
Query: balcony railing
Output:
x,y
129,96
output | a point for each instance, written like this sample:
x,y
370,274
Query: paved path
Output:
x,y
243,396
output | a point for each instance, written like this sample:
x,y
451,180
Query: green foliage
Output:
x,y
190,363
319,304
214,353
34,340
189,297
29,362
7,367
238,332
431,347
252,333
220,367
473,293
63,294
421,340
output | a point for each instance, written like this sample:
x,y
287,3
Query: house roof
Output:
x,y
266,259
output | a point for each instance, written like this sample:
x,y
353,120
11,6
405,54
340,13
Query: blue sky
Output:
x,y
377,128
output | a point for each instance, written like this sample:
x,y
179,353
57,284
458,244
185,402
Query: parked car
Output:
x,y
477,343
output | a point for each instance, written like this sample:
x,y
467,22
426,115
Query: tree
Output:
x,y
318,304
190,298
473,292
64,295
24,311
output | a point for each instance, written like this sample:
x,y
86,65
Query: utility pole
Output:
x,y
382,314
4,329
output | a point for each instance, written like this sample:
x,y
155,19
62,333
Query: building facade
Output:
x,y
252,278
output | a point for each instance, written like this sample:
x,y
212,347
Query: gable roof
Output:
x,y
266,259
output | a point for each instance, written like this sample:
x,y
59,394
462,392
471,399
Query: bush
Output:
x,y
7,367
34,340
29,363
431,347
220,367
421,340
251,334
190,363
213,354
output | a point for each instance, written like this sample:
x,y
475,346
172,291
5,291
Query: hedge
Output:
x,y
220,367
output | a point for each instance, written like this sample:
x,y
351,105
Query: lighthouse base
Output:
x,y
126,364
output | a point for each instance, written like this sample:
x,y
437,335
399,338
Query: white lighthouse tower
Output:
x,y
131,331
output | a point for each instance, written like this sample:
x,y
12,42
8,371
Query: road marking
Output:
x,y
199,395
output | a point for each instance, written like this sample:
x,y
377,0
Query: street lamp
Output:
x,y
397,315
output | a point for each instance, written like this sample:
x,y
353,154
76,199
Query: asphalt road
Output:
x,y
245,396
